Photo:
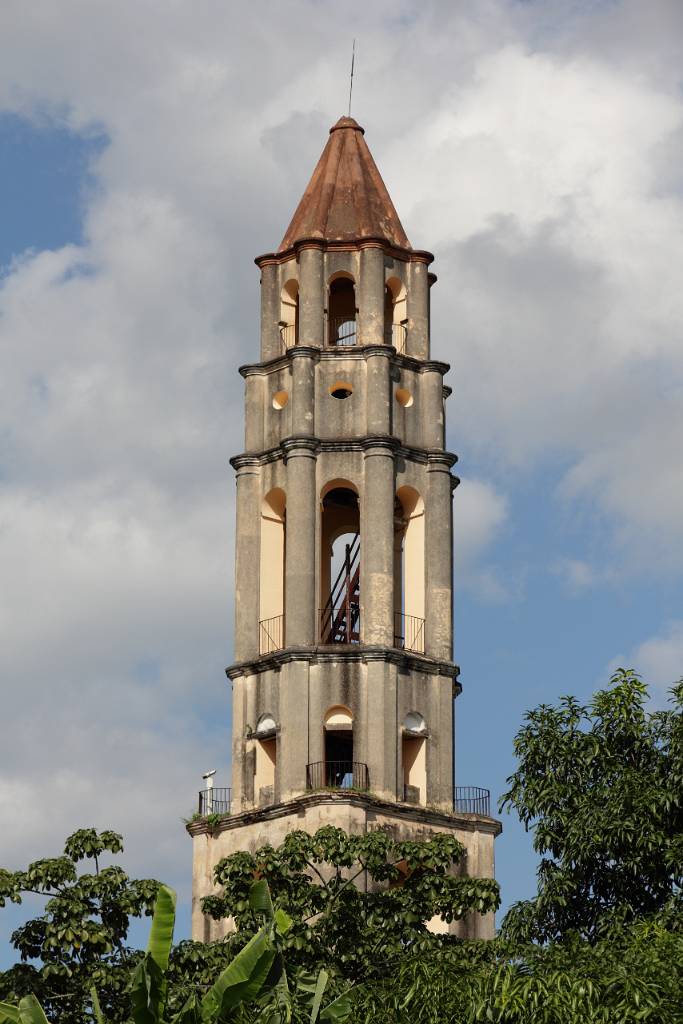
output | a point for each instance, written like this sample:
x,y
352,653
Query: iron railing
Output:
x,y
337,775
271,634
341,330
215,801
472,800
409,632
398,337
288,333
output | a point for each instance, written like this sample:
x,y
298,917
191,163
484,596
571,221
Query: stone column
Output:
x,y
439,559
311,296
302,509
432,404
247,541
377,545
293,754
417,344
303,393
371,296
378,390
253,411
271,346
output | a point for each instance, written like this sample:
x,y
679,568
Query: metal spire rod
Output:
x,y
353,58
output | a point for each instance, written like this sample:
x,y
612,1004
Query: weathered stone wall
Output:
x,y
354,814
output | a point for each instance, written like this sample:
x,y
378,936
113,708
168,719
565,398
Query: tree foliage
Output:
x,y
601,786
357,902
80,938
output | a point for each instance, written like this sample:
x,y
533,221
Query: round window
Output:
x,y
280,399
404,397
341,390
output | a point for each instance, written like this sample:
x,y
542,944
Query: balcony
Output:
x,y
472,800
215,801
271,634
409,633
341,331
337,775
288,336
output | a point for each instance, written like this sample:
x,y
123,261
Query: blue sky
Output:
x,y
536,149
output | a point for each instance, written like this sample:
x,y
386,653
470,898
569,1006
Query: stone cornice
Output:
x,y
405,255
412,813
361,352
431,457
348,653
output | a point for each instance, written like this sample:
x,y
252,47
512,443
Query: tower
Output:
x,y
343,681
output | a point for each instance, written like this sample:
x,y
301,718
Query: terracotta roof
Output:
x,y
346,199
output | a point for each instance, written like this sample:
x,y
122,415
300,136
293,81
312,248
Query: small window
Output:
x,y
280,399
404,397
341,390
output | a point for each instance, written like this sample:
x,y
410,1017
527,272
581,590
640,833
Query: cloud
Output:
x,y
659,659
479,515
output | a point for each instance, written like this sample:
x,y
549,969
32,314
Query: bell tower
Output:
x,y
343,681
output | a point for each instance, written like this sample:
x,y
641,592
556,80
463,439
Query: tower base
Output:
x,y
356,814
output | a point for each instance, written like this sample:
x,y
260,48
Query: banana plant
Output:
x,y
29,1011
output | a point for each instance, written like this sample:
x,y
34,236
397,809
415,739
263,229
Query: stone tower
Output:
x,y
344,681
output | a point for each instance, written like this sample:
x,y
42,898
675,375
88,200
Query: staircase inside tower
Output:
x,y
340,616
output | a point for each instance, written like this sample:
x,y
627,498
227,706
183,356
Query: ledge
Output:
x,y
402,812
426,456
331,245
349,653
347,352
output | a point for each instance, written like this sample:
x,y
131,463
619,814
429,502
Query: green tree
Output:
x,y
601,787
354,931
80,938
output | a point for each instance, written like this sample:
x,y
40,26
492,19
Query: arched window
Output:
x,y
414,757
340,564
341,312
266,760
289,315
409,571
395,314
339,766
272,572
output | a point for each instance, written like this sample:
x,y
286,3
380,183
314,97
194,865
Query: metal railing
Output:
x,y
409,632
339,619
271,634
288,333
399,334
472,800
337,775
341,330
215,801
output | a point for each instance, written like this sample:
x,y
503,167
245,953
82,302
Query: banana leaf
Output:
x,y
242,980
31,1012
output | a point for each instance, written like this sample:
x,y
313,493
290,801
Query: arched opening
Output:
x,y
341,312
338,727
272,572
340,564
266,760
395,314
414,758
289,315
409,570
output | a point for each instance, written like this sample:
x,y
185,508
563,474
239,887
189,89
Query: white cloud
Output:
x,y
479,514
659,659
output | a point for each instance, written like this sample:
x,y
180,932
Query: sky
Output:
x,y
148,151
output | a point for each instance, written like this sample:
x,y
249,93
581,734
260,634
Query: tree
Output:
x,y
80,939
351,930
601,786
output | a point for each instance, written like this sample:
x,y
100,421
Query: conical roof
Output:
x,y
346,199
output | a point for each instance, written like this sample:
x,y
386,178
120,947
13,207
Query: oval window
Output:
x,y
280,399
404,397
341,390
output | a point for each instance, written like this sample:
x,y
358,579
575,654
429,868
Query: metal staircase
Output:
x,y
340,618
